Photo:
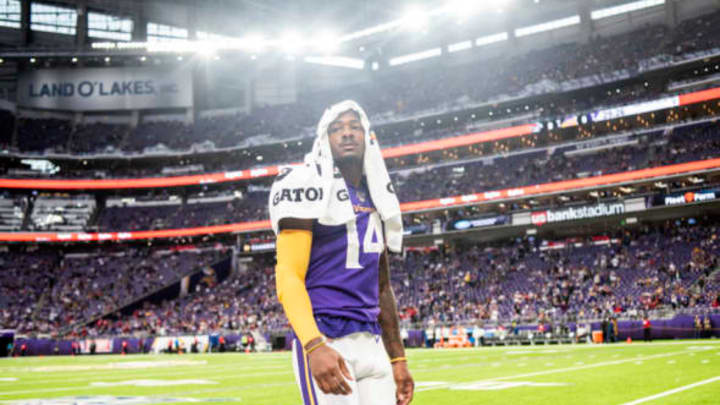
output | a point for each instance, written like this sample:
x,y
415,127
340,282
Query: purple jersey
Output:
x,y
342,278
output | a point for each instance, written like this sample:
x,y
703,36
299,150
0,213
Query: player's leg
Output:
x,y
311,394
376,384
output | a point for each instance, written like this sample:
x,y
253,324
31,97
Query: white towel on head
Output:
x,y
312,191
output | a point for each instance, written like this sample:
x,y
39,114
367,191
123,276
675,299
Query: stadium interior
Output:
x,y
557,164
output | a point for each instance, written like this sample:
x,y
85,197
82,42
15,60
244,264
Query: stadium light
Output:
x,y
254,43
325,42
415,19
290,43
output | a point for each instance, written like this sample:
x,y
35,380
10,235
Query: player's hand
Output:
x,y
405,386
330,371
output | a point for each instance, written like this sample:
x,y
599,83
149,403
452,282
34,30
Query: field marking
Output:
x,y
120,374
85,387
673,391
125,365
566,369
96,369
151,383
496,386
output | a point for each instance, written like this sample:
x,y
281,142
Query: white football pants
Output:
x,y
369,365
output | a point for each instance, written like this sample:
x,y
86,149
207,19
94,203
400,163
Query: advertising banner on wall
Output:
x,y
478,222
539,218
101,345
686,198
102,89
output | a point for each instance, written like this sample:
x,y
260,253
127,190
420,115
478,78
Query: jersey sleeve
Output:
x,y
296,193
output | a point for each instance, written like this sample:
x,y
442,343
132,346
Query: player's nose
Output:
x,y
348,133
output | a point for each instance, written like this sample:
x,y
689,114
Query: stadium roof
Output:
x,y
239,17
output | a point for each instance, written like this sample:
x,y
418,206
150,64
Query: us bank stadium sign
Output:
x,y
105,89
540,218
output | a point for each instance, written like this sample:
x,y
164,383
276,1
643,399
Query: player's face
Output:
x,y
347,137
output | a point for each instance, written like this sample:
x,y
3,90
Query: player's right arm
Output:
x,y
294,243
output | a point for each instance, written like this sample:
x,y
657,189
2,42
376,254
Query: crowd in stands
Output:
x,y
97,138
697,142
397,93
682,144
245,300
40,134
672,266
44,292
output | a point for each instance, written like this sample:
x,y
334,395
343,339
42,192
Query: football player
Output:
x,y
333,279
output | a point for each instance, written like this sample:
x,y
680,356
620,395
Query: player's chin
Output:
x,y
349,157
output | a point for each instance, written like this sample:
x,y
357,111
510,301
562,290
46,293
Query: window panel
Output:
x,y
10,13
491,39
165,33
430,53
548,26
624,8
109,27
48,18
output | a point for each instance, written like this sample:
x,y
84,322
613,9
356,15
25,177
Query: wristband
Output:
x,y
398,359
310,350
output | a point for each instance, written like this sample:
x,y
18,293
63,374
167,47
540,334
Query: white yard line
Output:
x,y
124,374
673,391
566,369
288,371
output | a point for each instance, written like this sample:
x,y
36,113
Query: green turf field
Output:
x,y
686,372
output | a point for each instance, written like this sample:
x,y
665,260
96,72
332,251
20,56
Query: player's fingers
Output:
x,y
404,393
342,383
344,369
409,391
339,389
330,381
323,384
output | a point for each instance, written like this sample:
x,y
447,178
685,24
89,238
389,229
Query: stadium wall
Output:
x,y
680,327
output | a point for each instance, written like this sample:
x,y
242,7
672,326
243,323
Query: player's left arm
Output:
x,y
391,335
